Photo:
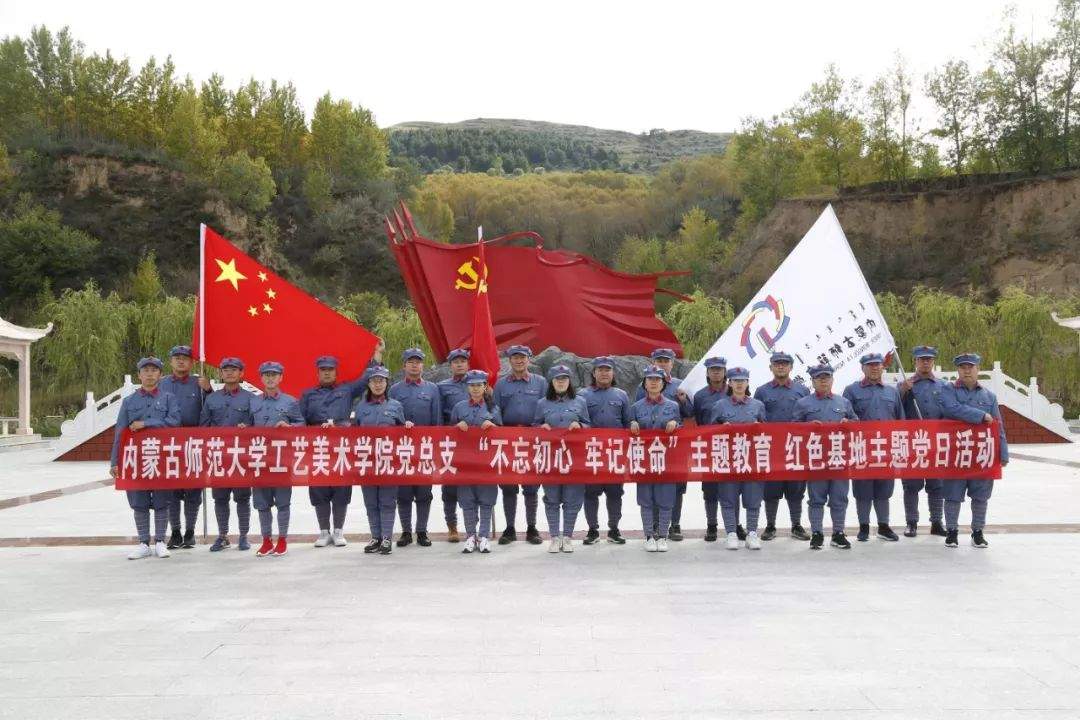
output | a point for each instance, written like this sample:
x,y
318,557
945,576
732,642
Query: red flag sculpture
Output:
x,y
541,297
246,310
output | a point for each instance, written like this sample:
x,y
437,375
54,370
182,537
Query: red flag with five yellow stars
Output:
x,y
245,310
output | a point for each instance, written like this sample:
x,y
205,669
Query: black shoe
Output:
x,y
839,540
710,533
912,529
404,539
978,540
799,533
422,539
175,540
508,536
373,546
386,547
740,532
864,533
675,533
614,536
769,533
532,535
886,533
189,540
816,541
591,537
951,540
937,528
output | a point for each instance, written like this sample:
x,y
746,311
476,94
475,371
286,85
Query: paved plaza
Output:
x,y
905,630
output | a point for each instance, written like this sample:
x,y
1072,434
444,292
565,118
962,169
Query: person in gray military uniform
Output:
x,y
561,407
189,391
273,409
229,407
609,407
146,408
779,396
664,358
921,395
705,399
329,404
822,406
873,400
422,403
967,400
517,394
453,390
477,501
655,411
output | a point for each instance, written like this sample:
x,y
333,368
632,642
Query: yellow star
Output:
x,y
252,311
229,273
267,308
271,294
262,276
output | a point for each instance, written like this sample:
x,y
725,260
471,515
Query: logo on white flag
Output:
x,y
765,324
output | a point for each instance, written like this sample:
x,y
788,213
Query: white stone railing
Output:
x,y
1023,399
99,415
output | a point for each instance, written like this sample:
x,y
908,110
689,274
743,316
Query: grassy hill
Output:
x,y
485,144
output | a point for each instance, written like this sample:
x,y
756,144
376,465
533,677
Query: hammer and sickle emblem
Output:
x,y
469,277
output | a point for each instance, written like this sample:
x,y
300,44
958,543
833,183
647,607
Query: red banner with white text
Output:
x,y
256,456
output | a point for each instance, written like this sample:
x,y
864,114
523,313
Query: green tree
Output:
x,y
246,182
400,328
191,137
145,282
767,159
1019,87
363,308
346,141
698,324
86,349
826,115
956,93
317,187
1065,48
434,216
34,248
640,255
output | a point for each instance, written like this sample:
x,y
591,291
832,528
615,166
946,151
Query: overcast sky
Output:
x,y
625,65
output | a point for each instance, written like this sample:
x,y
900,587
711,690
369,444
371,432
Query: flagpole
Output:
x,y
202,292
480,271
202,346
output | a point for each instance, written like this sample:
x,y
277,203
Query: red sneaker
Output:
x,y
267,548
282,546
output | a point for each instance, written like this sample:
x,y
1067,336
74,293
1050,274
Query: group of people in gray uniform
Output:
x,y
523,398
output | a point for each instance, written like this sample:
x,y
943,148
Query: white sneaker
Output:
x,y
485,545
324,538
650,544
661,544
732,541
141,550
339,538
470,544
753,542
555,545
160,550
567,544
